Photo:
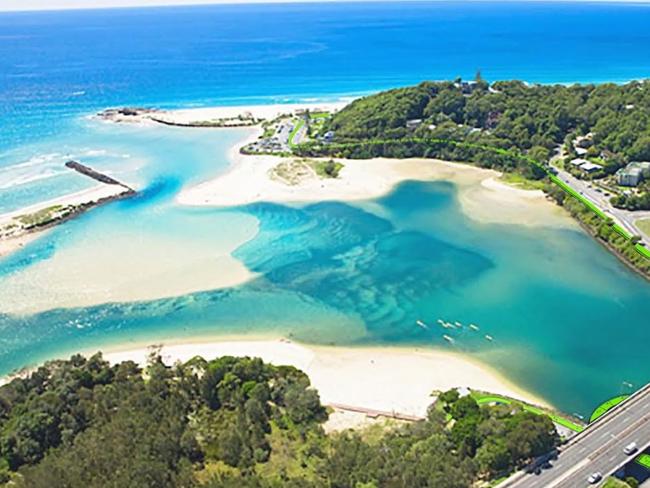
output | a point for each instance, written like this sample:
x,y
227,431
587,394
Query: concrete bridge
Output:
x,y
599,448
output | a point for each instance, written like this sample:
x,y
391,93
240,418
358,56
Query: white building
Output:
x,y
590,167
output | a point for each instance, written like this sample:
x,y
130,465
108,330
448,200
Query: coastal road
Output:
x,y
599,448
625,218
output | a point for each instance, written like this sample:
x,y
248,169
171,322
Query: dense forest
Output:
x,y
509,115
530,119
237,422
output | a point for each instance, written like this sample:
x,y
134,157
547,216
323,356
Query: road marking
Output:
x,y
575,468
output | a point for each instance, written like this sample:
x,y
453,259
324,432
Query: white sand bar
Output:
x,y
83,197
481,195
267,112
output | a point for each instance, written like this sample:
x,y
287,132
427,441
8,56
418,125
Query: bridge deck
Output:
x,y
599,448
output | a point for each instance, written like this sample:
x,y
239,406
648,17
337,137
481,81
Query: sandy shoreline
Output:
x,y
90,196
13,244
482,196
398,379
149,268
190,116
96,193
268,112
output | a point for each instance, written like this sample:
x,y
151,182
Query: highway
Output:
x,y
599,448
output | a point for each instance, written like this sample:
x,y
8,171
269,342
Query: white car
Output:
x,y
631,448
594,478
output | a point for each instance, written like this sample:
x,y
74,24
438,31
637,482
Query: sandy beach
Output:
x,y
83,197
393,379
207,114
13,244
482,196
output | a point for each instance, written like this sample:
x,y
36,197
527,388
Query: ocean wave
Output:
x,y
13,180
42,166
34,161
90,153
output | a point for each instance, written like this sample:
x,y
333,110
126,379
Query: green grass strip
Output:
x,y
604,407
295,130
644,251
643,460
318,115
483,398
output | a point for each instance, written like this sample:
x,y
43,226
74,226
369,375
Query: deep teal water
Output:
x,y
569,322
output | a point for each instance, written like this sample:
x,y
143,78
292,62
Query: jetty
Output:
x,y
95,175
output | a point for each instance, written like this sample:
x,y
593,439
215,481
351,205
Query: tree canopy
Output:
x,y
236,422
526,118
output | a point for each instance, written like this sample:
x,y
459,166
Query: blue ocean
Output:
x,y
569,322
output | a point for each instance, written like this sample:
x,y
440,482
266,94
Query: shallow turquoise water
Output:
x,y
569,321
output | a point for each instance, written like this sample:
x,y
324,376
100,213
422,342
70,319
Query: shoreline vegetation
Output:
x,y
253,176
380,128
20,227
536,132
218,417
483,194
336,371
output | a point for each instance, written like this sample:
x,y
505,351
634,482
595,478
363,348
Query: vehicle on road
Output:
x,y
594,478
631,448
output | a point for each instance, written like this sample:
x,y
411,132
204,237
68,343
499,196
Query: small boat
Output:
x,y
448,325
448,338
473,327
489,337
421,324
458,324
440,321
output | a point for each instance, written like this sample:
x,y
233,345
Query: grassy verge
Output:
x,y
615,483
603,408
296,128
520,181
644,460
486,398
42,217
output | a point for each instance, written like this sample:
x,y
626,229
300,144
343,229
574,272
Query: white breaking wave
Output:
x,y
36,168
18,181
94,152
42,167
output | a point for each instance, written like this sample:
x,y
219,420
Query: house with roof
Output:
x,y
590,167
577,162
